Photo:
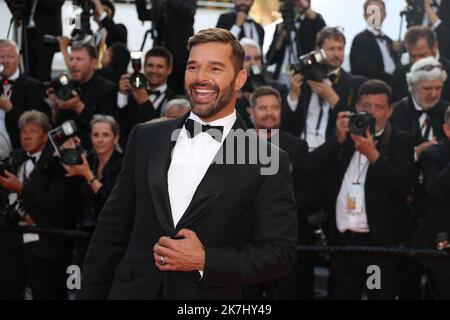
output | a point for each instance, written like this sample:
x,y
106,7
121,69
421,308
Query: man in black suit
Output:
x,y
311,107
213,226
437,17
44,192
174,24
436,170
240,24
265,111
287,45
420,43
373,174
18,93
92,94
138,105
40,17
373,54
104,11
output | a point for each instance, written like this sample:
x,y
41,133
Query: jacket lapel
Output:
x,y
157,174
213,183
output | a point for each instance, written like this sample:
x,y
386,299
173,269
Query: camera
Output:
x,y
63,86
255,79
317,221
137,79
60,135
311,66
442,241
359,122
290,13
11,215
19,9
8,164
413,12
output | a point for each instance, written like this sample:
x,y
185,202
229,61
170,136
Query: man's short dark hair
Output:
x,y
91,49
375,86
367,3
224,36
335,33
262,92
160,52
414,34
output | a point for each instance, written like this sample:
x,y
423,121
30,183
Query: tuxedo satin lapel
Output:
x,y
212,185
157,174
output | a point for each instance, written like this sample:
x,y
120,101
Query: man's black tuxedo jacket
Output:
x,y
295,122
27,94
246,222
227,20
46,196
366,58
306,41
436,171
388,182
406,118
400,86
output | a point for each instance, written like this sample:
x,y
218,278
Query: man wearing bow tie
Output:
x,y
371,174
18,93
39,183
186,220
373,54
313,105
138,105
240,24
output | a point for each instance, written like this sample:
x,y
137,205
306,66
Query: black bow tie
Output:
x,y
380,36
194,128
332,77
27,157
155,92
421,112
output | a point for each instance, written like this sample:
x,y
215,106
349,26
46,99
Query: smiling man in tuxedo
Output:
x,y
180,229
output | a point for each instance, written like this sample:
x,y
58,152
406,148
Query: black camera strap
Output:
x,y
319,119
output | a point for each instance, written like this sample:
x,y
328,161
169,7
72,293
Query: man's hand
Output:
x,y
295,86
140,95
430,12
11,182
325,91
5,104
366,145
185,254
241,16
124,83
98,8
342,128
64,43
424,145
397,46
73,103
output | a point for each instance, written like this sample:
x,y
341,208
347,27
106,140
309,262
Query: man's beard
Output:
x,y
422,104
221,102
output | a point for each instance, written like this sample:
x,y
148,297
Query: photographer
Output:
x,y
313,105
294,37
173,22
104,11
140,104
18,93
99,171
240,24
115,63
420,43
373,171
90,94
437,17
373,54
37,260
436,171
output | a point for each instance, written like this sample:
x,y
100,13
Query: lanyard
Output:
x,y
360,171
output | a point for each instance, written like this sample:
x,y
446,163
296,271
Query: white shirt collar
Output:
x,y
15,76
417,106
36,155
374,32
227,122
335,71
161,88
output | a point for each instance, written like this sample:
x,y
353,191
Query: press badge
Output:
x,y
355,198
30,237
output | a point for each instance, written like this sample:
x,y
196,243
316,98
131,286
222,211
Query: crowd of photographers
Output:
x,y
369,147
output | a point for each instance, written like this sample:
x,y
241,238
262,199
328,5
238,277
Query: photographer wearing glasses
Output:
x,y
319,91
434,229
38,195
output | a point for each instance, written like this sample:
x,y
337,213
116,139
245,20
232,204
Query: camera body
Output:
x,y
290,13
359,122
11,215
137,79
8,164
255,79
413,12
311,66
63,86
60,135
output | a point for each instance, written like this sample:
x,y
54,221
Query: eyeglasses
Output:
x,y
429,67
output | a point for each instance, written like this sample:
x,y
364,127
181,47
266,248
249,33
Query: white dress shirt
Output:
x,y
191,158
423,125
389,64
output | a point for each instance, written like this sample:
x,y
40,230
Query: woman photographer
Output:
x,y
99,171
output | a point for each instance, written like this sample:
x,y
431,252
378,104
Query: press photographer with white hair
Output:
x,y
422,112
